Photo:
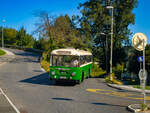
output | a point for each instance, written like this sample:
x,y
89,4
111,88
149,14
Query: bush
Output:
x,y
118,70
46,56
97,71
45,65
114,81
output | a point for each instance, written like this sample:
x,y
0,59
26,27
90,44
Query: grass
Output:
x,y
45,65
2,52
138,86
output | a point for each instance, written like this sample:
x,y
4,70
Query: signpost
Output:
x,y
139,42
140,60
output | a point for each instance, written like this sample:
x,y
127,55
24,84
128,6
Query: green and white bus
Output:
x,y
70,64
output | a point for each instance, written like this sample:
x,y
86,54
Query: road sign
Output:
x,y
140,59
142,75
137,41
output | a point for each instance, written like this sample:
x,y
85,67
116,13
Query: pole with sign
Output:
x,y
140,60
139,42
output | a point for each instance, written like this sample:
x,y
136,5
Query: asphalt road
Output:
x,y
31,91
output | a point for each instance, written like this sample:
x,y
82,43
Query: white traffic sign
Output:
x,y
137,41
142,74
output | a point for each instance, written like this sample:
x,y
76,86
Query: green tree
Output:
x,y
24,39
9,36
58,32
96,19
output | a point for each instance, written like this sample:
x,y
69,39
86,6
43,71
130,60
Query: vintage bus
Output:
x,y
70,64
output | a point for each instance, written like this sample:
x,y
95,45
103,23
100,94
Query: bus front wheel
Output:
x,y
82,77
77,81
89,74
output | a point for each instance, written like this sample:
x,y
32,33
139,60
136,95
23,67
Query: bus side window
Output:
x,y
82,60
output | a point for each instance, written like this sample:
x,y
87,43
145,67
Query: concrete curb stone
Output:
x,y
128,88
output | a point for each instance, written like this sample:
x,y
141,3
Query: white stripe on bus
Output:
x,y
86,64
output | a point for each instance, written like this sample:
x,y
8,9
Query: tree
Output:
x,y
58,32
9,36
24,39
96,19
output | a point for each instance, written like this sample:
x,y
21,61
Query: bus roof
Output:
x,y
70,51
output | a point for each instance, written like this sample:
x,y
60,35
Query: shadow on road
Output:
x,y
101,104
63,99
43,79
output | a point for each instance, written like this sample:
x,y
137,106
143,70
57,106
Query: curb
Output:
x,y
7,53
128,88
132,109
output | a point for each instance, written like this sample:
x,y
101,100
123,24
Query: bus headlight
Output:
x,y
53,73
74,73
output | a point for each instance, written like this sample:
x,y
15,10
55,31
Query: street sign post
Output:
x,y
140,59
143,77
139,42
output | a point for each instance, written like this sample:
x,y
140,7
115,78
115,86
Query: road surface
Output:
x,y
31,91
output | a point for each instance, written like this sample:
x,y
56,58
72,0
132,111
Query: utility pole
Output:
x,y
111,51
3,21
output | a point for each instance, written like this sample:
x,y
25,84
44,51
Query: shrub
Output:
x,y
45,65
118,70
114,81
97,71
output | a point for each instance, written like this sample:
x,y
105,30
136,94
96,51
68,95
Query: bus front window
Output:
x,y
66,61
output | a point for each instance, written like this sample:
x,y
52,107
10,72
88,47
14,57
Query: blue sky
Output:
x,y
142,18
19,13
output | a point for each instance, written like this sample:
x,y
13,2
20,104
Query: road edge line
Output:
x,y
10,102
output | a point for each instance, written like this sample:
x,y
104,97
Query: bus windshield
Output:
x,y
65,60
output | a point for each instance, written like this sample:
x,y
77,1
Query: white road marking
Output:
x,y
15,108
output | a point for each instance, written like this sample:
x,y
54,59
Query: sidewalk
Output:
x,y
6,106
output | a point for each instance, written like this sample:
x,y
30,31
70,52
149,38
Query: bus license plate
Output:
x,y
63,77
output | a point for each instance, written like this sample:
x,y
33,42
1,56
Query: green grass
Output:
x,y
2,52
138,86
